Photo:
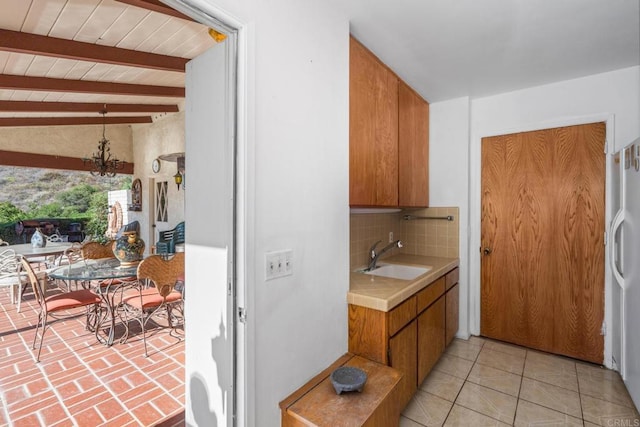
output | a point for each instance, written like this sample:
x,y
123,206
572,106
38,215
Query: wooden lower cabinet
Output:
x,y
403,356
431,333
452,302
412,336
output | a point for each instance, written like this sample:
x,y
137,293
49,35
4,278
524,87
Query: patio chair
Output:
x,y
169,239
142,303
97,250
10,273
50,306
71,256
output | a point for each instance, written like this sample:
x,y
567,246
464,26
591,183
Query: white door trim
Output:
x,y
244,382
475,211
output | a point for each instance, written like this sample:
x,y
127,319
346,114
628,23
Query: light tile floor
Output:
x,y
481,382
80,382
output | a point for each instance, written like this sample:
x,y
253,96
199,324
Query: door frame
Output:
x,y
243,332
475,212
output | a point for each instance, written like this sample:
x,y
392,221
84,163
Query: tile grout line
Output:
x,y
168,354
466,379
136,368
92,372
45,378
575,366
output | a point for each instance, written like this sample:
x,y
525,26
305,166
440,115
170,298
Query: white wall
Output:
x,y
449,178
610,97
296,196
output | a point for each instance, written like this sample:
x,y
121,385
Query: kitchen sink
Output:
x,y
398,271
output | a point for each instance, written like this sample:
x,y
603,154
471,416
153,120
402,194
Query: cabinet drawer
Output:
x,y
401,315
452,277
429,294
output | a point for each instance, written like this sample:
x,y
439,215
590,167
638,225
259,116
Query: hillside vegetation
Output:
x,y
28,187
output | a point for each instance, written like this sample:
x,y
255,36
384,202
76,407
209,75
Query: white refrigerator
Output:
x,y
625,259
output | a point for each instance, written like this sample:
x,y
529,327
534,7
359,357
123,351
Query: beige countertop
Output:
x,y
384,293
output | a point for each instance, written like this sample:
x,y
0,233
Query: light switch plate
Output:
x,y
278,264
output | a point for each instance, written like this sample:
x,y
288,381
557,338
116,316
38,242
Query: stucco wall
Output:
x,y
70,141
164,136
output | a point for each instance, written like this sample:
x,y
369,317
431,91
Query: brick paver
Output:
x,y
79,381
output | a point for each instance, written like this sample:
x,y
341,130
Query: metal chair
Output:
x,y
10,273
53,304
71,256
142,303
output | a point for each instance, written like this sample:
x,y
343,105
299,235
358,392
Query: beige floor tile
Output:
x,y
502,361
596,372
463,417
427,409
442,385
505,348
488,402
551,370
453,365
530,414
552,359
463,349
601,412
495,379
406,422
551,396
588,424
612,390
479,341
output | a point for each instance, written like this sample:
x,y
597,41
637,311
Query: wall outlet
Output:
x,y
390,236
278,264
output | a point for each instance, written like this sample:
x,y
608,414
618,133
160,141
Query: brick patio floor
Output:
x,y
80,382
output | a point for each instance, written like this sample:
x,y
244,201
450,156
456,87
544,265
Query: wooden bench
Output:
x,y
317,404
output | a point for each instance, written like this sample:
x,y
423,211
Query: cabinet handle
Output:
x,y
486,251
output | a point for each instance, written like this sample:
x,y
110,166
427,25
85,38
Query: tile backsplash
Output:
x,y
419,236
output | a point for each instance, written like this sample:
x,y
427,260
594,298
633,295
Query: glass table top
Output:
x,y
93,270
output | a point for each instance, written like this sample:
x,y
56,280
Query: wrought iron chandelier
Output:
x,y
102,163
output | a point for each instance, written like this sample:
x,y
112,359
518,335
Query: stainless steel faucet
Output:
x,y
375,256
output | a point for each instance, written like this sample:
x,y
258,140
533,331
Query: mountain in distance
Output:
x,y
23,186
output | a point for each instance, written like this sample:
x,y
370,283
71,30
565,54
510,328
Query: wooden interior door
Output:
x,y
542,269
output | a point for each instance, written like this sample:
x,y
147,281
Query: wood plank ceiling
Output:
x,y
61,61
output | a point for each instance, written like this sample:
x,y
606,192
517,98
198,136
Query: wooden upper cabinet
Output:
x,y
373,130
413,148
388,134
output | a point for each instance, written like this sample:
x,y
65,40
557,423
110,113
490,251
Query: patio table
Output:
x,y
52,249
106,279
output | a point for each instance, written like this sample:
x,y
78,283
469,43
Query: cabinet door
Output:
x,y
373,130
430,337
403,357
413,148
452,299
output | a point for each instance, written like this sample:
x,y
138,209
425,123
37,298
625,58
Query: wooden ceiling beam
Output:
x,y
8,81
156,6
34,44
30,160
84,107
70,121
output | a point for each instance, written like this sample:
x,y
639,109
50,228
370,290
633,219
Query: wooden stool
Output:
x,y
317,404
